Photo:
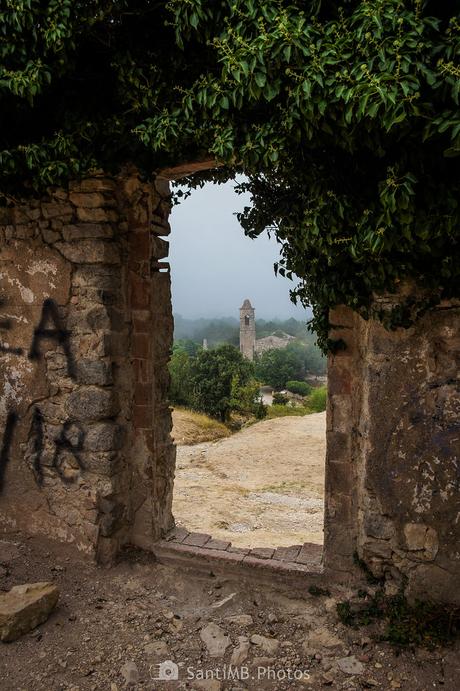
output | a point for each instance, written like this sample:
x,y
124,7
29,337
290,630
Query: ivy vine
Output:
x,y
343,116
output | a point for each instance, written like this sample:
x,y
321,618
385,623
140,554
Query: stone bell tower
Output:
x,y
247,330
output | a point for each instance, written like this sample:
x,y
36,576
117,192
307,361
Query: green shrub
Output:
x,y
317,400
298,387
286,410
280,399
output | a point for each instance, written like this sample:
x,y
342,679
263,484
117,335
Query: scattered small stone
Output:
x,y
268,645
240,619
350,665
215,640
207,684
263,662
240,653
365,641
327,679
130,673
322,638
225,601
157,649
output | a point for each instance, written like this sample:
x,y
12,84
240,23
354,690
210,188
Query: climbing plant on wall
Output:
x,y
344,116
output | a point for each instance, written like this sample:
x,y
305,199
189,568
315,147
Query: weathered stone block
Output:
x,y
160,247
141,345
96,215
378,526
81,231
95,372
339,478
101,277
139,245
50,236
421,538
140,290
54,210
89,200
92,403
162,186
104,436
99,184
90,251
106,464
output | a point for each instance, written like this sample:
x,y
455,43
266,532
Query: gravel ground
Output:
x,y
113,627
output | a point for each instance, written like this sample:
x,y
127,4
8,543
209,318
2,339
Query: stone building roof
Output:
x,y
246,305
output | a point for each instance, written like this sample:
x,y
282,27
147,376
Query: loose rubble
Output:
x,y
116,629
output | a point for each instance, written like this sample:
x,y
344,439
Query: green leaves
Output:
x,y
343,116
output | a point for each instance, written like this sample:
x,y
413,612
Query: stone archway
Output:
x,y
86,454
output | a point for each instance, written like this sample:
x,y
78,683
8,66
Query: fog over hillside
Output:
x,y
214,267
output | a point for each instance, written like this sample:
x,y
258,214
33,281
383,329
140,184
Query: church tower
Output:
x,y
247,330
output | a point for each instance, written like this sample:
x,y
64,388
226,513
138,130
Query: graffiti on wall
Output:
x,y
50,315
5,325
70,438
11,422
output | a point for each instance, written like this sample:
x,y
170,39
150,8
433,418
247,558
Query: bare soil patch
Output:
x,y
263,486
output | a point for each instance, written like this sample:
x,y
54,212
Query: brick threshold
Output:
x,y
199,552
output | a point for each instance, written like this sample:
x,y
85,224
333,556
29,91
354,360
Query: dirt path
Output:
x,y
261,487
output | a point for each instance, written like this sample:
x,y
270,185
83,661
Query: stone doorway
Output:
x,y
236,496
86,454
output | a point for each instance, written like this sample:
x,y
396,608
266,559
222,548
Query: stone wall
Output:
x,y
393,467
85,334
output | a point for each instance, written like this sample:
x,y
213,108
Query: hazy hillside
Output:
x,y
226,329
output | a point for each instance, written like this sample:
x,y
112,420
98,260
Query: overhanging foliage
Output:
x,y
344,116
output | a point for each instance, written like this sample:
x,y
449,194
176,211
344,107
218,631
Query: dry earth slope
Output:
x,y
263,486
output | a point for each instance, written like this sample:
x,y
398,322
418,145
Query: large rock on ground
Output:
x,y
215,640
24,607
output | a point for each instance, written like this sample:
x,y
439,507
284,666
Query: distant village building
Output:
x,y
247,330
249,345
273,341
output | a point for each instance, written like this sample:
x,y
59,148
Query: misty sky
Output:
x,y
214,266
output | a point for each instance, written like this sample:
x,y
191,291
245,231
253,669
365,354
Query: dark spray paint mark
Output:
x,y
64,443
59,334
11,421
5,325
36,432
